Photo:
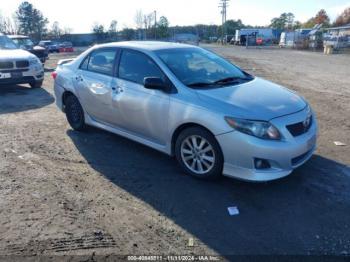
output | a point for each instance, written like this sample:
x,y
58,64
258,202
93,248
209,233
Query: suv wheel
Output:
x,y
75,113
36,84
199,153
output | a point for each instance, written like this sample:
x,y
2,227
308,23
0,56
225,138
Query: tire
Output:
x,y
75,113
36,84
207,151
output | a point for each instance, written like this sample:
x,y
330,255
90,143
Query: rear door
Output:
x,y
94,81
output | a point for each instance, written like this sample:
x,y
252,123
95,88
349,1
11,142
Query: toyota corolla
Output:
x,y
189,103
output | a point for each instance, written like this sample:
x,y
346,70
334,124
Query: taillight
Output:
x,y
54,74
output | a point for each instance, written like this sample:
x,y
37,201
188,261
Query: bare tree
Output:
x,y
112,31
67,31
8,25
56,31
139,19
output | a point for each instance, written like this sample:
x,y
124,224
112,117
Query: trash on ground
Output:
x,y
338,143
191,242
233,211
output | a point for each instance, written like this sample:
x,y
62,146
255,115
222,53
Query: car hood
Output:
x,y
14,54
39,48
255,100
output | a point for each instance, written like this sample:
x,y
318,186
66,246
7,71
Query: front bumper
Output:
x,y
28,75
284,156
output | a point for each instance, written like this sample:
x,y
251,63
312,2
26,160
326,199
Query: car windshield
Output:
x,y
7,43
23,42
196,67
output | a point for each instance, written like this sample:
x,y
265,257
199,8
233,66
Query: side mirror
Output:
x,y
156,83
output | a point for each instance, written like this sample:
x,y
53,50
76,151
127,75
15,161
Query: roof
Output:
x,y
146,45
340,27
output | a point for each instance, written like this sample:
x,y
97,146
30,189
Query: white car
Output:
x,y
19,66
187,101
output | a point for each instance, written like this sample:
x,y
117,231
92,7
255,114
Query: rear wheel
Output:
x,y
199,153
74,113
36,84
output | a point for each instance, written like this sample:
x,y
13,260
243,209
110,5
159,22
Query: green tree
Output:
x,y
231,26
128,34
31,21
163,27
99,31
284,21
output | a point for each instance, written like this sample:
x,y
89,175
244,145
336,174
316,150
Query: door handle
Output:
x,y
79,78
117,89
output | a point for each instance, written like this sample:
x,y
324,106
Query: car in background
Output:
x,y
51,46
25,43
18,66
66,47
188,102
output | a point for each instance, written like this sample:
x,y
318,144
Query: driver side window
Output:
x,y
135,66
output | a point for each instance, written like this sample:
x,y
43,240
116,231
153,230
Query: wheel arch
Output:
x,y
181,128
66,94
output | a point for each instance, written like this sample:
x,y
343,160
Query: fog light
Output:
x,y
261,163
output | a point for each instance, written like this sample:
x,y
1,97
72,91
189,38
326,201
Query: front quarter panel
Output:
x,y
186,112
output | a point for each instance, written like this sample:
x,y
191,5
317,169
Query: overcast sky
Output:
x,y
81,14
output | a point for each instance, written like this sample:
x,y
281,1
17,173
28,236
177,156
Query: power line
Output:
x,y
223,4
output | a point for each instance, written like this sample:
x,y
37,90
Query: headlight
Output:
x,y
34,61
261,129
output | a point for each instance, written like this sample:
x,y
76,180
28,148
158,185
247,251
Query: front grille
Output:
x,y
297,160
6,65
299,128
22,63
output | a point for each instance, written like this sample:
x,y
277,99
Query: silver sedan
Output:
x,y
190,103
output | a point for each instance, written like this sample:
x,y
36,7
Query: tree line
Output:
x,y
28,20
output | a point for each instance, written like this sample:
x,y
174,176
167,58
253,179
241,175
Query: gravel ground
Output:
x,y
69,193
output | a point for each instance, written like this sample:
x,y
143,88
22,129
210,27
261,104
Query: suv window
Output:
x,y
135,66
102,61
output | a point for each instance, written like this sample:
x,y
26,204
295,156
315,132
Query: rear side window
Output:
x,y
101,61
135,66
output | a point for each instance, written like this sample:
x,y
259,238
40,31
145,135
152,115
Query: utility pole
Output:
x,y
155,25
223,4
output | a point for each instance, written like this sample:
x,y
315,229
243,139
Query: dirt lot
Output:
x,y
67,193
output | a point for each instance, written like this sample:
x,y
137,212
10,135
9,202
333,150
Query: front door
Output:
x,y
141,111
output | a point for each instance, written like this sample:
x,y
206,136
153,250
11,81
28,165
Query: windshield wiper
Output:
x,y
229,80
221,82
200,84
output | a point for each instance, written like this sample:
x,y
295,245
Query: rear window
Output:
x,y
100,61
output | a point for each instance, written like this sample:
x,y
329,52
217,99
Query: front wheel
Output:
x,y
75,113
199,154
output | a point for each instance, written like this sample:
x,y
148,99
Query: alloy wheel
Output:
x,y
198,154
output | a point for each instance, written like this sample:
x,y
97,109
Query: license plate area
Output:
x,y
16,74
5,75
